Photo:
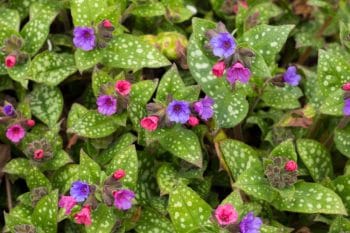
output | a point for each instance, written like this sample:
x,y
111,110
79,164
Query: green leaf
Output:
x,y
87,59
168,179
91,124
99,78
18,166
239,157
333,104
151,222
182,143
340,224
126,159
103,220
344,33
230,108
90,171
187,210
37,29
282,97
242,208
20,214
267,40
52,68
342,187
132,52
84,12
45,213
285,149
176,11
46,104
35,178
123,142
149,10
65,176
10,18
312,198
253,182
316,159
333,71
60,159
265,10
19,73
342,140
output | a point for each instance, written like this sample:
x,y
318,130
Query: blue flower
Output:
x,y
80,190
346,109
8,110
204,108
84,38
250,224
223,44
178,111
291,77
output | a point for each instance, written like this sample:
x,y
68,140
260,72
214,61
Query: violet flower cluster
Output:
x,y
227,215
346,108
178,111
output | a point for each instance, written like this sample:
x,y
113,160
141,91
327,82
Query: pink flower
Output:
x,y
84,216
291,166
15,133
118,174
123,199
193,121
150,123
238,72
67,202
242,3
346,86
123,87
38,154
226,214
10,61
219,69
30,123
107,23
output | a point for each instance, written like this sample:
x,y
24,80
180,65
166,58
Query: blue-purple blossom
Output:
x,y
8,110
84,38
346,109
223,44
250,224
123,199
178,111
80,190
238,72
204,108
291,77
106,105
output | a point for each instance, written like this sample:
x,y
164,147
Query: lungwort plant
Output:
x,y
174,116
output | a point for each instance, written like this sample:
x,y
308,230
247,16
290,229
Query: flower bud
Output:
x,y
346,86
38,154
30,123
219,69
193,121
291,166
10,61
119,174
107,23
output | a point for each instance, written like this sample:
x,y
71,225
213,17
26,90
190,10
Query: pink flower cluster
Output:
x,y
237,72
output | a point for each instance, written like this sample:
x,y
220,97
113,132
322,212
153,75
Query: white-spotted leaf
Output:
x,y
333,104
282,97
65,176
342,140
89,170
87,59
340,224
168,179
316,158
285,149
10,18
342,187
45,213
46,103
151,222
84,12
103,220
100,77
149,10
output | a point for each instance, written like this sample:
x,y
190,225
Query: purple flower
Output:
x,y
238,72
250,224
106,105
346,109
84,38
291,77
80,190
223,44
178,111
123,199
204,108
8,110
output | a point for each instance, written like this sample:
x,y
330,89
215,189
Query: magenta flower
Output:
x,y
178,111
223,45
238,73
67,202
226,214
80,190
84,38
15,133
10,61
346,109
8,110
123,87
291,77
123,199
150,123
106,105
84,216
291,166
250,224
219,69
204,108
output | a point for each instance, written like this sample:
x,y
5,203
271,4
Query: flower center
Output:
x,y
109,102
87,35
16,130
227,44
177,108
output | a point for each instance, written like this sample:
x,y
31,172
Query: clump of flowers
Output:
x,y
227,216
281,172
346,108
39,150
235,61
178,111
